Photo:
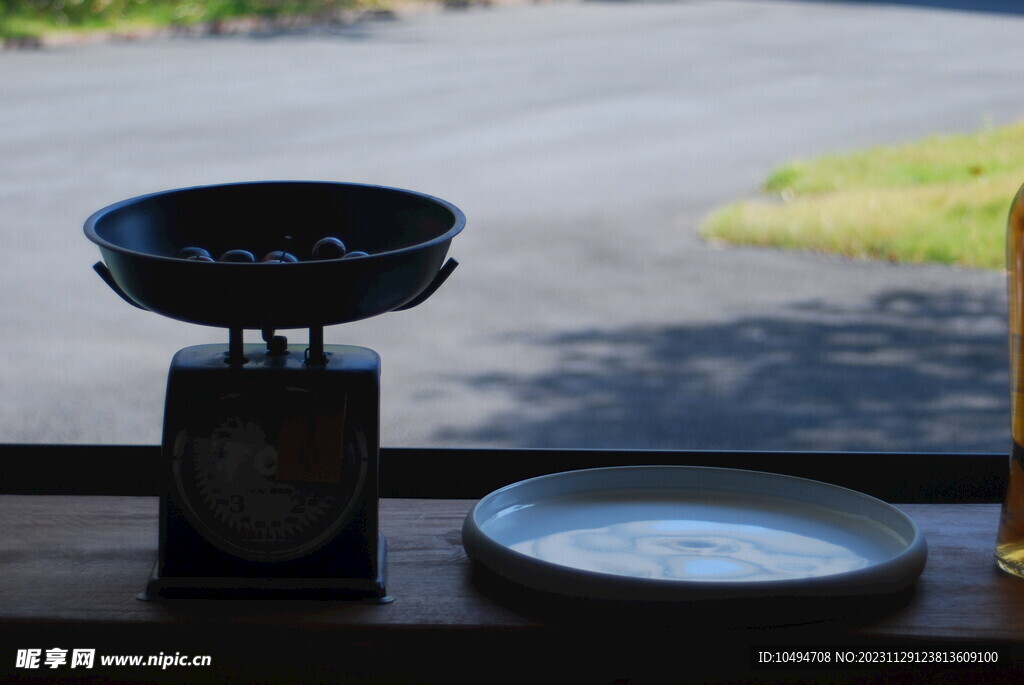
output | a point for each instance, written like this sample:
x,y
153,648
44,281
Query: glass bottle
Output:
x,y
1010,538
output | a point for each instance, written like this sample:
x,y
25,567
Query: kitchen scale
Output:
x,y
269,461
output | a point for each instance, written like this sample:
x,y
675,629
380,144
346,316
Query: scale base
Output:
x,y
368,590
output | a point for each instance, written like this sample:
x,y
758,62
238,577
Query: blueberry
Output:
x,y
238,256
193,253
356,253
279,256
329,248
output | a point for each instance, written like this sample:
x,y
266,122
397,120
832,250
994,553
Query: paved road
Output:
x,y
585,141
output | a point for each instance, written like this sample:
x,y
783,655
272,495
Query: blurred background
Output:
x,y
692,224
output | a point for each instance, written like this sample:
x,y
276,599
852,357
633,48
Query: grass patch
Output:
x,y
38,18
943,199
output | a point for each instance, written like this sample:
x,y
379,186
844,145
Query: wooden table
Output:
x,y
78,540
71,566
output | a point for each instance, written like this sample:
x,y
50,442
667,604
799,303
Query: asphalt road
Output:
x,y
584,141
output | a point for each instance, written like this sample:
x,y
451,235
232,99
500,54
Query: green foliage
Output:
x,y
35,17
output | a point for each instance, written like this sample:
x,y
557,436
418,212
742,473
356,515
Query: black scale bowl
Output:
x,y
406,234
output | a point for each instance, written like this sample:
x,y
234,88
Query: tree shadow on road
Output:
x,y
905,372
988,6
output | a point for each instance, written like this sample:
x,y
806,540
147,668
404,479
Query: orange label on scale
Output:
x,y
310,448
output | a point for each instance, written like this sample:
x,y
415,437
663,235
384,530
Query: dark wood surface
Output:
x,y
467,473
71,566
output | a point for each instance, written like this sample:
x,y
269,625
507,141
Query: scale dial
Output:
x,y
269,480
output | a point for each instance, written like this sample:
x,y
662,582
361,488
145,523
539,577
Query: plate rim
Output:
x,y
889,576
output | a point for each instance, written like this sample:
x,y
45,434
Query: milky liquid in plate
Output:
x,y
697,537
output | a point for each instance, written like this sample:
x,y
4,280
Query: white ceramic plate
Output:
x,y
655,533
